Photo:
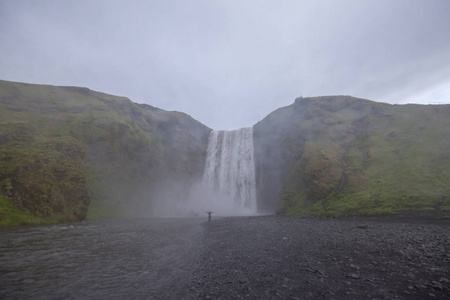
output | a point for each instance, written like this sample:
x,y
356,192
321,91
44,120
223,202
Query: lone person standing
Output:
x,y
209,215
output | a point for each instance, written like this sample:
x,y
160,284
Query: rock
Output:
x,y
444,280
436,285
354,276
364,267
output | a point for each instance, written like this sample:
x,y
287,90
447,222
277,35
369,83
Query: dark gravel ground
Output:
x,y
308,258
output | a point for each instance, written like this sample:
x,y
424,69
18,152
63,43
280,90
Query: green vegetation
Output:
x,y
42,176
68,152
10,215
365,158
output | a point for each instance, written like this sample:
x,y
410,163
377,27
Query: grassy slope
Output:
x,y
365,158
124,146
11,215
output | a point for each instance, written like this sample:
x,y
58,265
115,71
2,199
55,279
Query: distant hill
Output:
x,y
66,152
341,155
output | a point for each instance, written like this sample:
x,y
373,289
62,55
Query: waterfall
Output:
x,y
230,170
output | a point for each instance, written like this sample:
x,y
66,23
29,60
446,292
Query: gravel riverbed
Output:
x,y
309,258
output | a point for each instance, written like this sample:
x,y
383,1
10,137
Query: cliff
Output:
x,y
68,152
340,155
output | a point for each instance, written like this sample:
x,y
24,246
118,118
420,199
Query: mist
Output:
x,y
205,197
227,186
172,198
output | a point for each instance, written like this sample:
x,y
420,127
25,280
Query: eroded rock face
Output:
x,y
342,155
68,150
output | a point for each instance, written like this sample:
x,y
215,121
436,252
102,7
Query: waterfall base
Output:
x,y
228,186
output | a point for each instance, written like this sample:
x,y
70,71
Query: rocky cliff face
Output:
x,y
64,149
342,155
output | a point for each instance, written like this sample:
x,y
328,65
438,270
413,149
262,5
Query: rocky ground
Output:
x,y
308,258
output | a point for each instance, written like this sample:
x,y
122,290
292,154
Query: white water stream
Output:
x,y
229,174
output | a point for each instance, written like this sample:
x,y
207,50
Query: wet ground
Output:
x,y
228,258
109,259
304,258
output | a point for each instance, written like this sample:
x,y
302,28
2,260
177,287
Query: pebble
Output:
x,y
323,259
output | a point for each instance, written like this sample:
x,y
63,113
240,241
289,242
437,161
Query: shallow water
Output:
x,y
113,259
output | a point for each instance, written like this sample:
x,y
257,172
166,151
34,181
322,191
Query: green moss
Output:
x,y
10,215
44,176
51,137
103,202
376,160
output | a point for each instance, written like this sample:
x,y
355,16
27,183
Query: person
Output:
x,y
209,215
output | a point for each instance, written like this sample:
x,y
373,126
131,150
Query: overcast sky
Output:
x,y
230,63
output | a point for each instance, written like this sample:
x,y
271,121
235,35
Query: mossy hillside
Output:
x,y
43,177
10,215
125,144
362,158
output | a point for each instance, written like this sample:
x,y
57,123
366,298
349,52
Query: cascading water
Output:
x,y
229,173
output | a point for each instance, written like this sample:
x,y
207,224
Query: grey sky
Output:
x,y
230,63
